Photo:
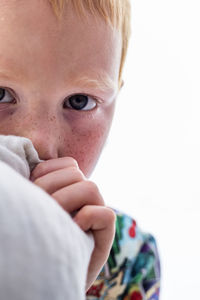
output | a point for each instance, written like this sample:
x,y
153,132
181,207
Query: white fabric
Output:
x,y
43,253
19,153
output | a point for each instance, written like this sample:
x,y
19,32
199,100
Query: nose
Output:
x,y
45,135
44,143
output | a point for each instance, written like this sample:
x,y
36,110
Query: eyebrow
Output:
x,y
101,81
10,76
4,75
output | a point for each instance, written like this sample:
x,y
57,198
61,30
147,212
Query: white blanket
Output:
x,y
44,255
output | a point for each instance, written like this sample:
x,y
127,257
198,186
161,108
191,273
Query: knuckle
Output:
x,y
76,174
94,192
111,215
92,187
70,160
111,221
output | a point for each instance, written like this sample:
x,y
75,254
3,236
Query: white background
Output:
x,y
150,167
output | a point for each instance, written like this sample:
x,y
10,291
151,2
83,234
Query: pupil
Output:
x,y
78,101
2,93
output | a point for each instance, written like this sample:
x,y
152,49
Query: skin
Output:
x,y
41,62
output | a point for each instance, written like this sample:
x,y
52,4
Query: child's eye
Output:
x,y
5,96
80,102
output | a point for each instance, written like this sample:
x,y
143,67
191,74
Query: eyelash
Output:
x,y
96,100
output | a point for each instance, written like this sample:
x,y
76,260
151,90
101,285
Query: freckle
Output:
x,y
52,118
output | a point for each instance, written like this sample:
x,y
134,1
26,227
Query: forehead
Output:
x,y
35,42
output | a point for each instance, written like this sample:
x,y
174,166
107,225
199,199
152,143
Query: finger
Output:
x,y
59,179
51,165
99,219
75,196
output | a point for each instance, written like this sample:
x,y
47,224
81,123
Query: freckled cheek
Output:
x,y
87,141
87,146
7,126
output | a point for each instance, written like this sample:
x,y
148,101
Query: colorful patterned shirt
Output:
x,y
132,271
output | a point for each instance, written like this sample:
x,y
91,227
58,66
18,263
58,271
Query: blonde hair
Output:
x,y
116,13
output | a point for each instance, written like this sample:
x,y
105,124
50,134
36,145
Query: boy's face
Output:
x,y
43,67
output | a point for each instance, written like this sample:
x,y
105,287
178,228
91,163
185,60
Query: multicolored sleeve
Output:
x,y
132,271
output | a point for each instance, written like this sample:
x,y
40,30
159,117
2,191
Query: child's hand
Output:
x,y
64,181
